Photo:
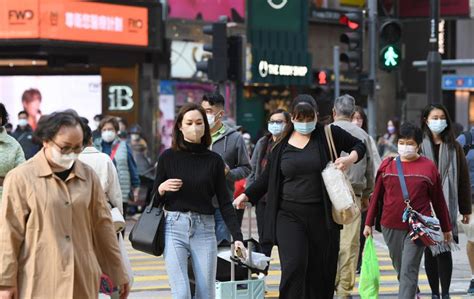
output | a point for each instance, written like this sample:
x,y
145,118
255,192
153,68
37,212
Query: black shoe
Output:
x,y
446,297
471,287
435,297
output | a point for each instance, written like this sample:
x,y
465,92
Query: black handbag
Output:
x,y
148,234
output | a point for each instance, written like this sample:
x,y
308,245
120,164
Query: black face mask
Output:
x,y
122,134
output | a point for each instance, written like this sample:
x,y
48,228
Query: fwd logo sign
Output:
x,y
19,17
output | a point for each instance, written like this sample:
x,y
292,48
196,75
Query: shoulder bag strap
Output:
x,y
401,178
114,151
330,141
20,138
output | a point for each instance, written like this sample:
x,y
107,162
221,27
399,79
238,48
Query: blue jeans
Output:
x,y
222,232
190,235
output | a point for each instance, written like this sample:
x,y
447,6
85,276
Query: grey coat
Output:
x,y
231,147
258,153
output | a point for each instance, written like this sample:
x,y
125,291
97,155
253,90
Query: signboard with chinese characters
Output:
x,y
74,21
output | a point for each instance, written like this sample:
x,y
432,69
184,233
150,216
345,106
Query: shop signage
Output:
x,y
455,82
75,21
281,67
265,69
120,97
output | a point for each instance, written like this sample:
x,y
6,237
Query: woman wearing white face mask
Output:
x,y
424,187
276,125
298,214
56,233
188,176
440,146
122,156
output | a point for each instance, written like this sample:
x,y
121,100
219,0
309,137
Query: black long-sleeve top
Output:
x,y
203,176
271,180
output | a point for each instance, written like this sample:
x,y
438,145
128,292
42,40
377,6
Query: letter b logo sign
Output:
x,y
120,97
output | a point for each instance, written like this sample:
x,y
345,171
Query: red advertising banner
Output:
x,y
421,8
207,10
75,21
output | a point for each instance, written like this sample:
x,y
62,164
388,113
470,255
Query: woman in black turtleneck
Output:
x,y
188,177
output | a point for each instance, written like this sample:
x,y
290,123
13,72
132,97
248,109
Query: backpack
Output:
x,y
468,142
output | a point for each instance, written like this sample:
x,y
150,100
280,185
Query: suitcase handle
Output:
x,y
248,206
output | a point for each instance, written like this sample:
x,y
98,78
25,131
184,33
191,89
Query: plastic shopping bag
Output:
x,y
370,272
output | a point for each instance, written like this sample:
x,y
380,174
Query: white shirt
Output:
x,y
107,173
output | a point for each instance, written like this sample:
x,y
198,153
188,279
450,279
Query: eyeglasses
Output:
x,y
67,149
276,122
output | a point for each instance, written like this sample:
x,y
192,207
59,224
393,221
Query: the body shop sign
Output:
x,y
74,21
281,67
267,69
278,33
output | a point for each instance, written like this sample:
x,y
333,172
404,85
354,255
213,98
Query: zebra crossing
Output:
x,y
151,279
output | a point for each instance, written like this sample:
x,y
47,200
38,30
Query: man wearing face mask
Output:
x,y
56,233
230,145
24,135
361,176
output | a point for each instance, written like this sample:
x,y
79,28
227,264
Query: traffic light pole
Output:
x,y
337,86
433,74
371,104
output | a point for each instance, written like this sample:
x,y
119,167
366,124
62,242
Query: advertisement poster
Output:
x,y
40,95
207,10
74,21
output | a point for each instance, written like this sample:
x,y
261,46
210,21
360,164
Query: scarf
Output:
x,y
448,170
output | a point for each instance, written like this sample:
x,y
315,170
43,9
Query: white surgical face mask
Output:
x,y
108,136
62,160
22,122
211,119
407,151
437,126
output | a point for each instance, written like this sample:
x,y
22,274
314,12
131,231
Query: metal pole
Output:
x,y
371,105
433,74
337,88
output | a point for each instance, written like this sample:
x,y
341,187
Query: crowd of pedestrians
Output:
x,y
73,177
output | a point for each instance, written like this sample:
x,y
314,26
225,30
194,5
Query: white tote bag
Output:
x,y
339,188
125,259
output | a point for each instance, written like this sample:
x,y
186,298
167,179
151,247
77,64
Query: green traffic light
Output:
x,y
390,57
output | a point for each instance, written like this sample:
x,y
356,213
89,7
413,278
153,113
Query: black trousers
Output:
x,y
439,269
266,246
308,252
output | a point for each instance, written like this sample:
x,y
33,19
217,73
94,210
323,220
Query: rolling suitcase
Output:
x,y
241,289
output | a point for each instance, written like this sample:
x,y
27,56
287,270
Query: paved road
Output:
x,y
151,280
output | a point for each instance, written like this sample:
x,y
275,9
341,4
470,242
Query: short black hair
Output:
x,y
23,112
87,132
214,99
303,98
99,116
49,125
410,131
3,115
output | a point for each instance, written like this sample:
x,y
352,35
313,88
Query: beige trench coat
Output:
x,y
56,238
